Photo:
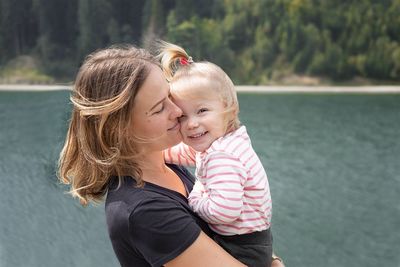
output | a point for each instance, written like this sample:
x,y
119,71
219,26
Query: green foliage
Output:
x,y
23,69
254,41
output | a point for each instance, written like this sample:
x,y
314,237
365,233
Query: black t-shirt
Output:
x,y
152,225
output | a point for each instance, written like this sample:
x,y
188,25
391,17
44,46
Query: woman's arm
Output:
x,y
204,252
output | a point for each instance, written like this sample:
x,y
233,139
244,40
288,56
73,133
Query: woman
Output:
x,y
122,120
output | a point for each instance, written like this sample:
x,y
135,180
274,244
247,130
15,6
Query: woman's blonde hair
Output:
x,y
99,143
185,75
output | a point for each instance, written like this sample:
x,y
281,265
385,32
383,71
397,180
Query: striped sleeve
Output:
x,y
224,180
180,154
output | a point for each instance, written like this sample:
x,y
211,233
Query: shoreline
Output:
x,y
382,89
33,87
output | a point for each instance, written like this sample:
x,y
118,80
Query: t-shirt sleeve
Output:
x,y
221,200
161,230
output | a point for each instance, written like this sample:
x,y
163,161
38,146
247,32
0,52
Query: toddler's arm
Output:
x,y
180,154
221,201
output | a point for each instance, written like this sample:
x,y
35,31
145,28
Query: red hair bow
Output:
x,y
183,61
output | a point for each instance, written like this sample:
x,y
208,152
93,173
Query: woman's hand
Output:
x,y
276,261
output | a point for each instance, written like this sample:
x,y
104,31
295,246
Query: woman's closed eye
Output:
x,y
161,109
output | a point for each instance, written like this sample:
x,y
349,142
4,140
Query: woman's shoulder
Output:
x,y
127,206
123,198
128,196
133,204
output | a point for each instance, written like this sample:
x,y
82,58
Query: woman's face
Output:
x,y
155,116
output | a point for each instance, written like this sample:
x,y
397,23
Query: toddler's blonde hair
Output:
x,y
199,79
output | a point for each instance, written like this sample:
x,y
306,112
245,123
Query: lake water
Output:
x,y
332,161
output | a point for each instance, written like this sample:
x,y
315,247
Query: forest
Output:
x,y
255,41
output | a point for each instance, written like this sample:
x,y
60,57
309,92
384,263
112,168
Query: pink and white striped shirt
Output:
x,y
234,197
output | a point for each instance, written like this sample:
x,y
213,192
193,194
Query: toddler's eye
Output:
x,y
202,110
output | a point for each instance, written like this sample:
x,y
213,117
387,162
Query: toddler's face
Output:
x,y
202,121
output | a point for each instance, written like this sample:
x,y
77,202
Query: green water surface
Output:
x,y
332,161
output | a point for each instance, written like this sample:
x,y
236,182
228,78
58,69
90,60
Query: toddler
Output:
x,y
232,191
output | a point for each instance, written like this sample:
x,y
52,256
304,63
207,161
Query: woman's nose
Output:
x,y
176,111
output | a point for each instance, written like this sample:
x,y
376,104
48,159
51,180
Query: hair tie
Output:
x,y
185,61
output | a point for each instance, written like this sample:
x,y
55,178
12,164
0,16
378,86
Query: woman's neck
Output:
x,y
153,161
154,170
